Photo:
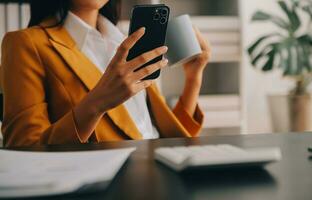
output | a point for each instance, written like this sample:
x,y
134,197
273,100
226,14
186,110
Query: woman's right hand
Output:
x,y
120,80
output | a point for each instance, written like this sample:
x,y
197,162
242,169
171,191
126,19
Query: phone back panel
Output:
x,y
155,19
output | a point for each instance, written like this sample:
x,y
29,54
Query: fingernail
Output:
x,y
143,29
165,48
165,61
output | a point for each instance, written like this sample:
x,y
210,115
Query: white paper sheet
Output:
x,y
47,173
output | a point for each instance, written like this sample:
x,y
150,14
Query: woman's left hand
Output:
x,y
194,74
195,67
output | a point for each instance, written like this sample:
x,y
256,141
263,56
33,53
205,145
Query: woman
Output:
x,y
65,80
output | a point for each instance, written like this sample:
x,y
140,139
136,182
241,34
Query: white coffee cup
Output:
x,y
181,40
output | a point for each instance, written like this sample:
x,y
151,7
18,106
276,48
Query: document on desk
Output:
x,y
28,174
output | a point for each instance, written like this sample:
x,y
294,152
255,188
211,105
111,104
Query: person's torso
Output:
x,y
100,46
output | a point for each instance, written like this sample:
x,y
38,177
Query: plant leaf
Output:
x,y
297,21
288,69
262,16
269,63
295,3
253,47
305,42
306,57
300,61
292,16
283,61
260,55
264,53
308,9
293,64
257,58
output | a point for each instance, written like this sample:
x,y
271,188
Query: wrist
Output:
x,y
95,106
195,77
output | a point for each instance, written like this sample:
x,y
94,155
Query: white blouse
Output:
x,y
100,46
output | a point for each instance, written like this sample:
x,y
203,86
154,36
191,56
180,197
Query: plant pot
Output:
x,y
290,113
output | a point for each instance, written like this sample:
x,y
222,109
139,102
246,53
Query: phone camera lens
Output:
x,y
163,20
156,16
164,12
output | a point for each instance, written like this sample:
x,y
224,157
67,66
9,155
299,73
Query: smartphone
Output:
x,y
155,19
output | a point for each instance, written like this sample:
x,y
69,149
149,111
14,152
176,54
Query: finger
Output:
x,y
146,57
143,85
203,43
144,72
129,42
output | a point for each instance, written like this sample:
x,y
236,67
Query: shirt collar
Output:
x,y
80,30
108,29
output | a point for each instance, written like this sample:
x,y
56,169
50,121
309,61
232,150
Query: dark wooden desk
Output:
x,y
143,178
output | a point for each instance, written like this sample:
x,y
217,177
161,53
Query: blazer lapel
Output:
x,y
167,123
88,73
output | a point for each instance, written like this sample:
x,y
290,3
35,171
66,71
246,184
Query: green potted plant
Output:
x,y
288,50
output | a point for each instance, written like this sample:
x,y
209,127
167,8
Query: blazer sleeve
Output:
x,y
193,124
26,119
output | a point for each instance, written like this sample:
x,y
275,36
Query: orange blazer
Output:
x,y
44,75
